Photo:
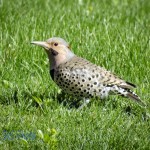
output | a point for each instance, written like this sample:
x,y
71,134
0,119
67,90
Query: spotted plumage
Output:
x,y
84,79
80,77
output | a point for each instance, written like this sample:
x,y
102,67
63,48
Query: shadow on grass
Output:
x,y
66,101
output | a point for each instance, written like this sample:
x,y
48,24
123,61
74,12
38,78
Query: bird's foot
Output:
x,y
86,101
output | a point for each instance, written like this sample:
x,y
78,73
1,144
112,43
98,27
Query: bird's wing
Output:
x,y
104,76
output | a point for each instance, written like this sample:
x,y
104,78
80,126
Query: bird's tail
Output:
x,y
125,92
130,94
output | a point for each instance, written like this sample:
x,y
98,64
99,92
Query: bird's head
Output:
x,y
57,49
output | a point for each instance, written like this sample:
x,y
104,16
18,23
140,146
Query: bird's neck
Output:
x,y
58,60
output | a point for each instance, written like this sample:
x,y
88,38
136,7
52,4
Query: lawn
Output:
x,y
110,33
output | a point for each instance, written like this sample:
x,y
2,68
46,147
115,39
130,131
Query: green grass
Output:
x,y
109,33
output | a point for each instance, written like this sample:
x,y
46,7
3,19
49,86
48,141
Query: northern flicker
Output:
x,y
80,77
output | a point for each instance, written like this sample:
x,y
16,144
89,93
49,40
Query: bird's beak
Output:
x,y
41,43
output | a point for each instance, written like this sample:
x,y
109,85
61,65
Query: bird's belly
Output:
x,y
78,86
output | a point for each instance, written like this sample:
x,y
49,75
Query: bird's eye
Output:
x,y
55,44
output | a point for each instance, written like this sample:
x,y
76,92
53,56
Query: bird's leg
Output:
x,y
86,101
75,103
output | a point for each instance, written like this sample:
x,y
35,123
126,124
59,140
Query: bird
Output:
x,y
80,77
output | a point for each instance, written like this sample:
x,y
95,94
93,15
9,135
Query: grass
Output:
x,y
111,34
